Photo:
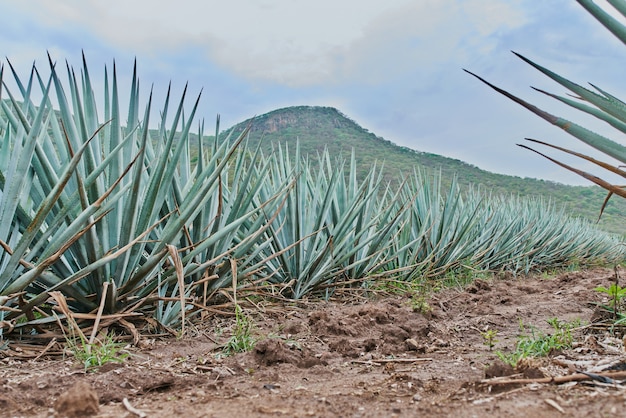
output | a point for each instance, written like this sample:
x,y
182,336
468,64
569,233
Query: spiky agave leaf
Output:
x,y
444,231
593,139
602,105
605,18
95,223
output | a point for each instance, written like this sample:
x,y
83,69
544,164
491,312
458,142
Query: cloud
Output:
x,y
393,66
326,44
420,38
290,42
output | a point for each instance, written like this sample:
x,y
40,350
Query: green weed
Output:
x,y
415,291
419,303
241,340
97,354
489,337
463,276
538,344
615,292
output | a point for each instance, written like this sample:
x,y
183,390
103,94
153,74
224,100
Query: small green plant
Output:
x,y
97,354
615,292
419,303
463,276
241,340
538,344
489,338
417,292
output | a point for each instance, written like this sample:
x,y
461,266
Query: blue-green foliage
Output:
x,y
86,202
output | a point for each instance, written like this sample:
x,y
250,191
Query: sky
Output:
x,y
393,66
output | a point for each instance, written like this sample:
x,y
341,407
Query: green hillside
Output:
x,y
319,127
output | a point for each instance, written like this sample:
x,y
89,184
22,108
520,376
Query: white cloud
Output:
x,y
290,42
394,65
422,36
361,41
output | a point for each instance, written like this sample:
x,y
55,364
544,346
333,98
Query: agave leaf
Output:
x,y
597,180
60,242
609,167
86,214
27,278
156,191
1,82
606,19
65,214
605,202
198,195
593,139
107,258
21,120
153,260
15,178
70,129
195,200
127,228
619,5
612,107
249,248
616,123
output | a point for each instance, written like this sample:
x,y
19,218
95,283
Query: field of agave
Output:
x,y
102,217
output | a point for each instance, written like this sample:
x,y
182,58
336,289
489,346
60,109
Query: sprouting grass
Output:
x,y
417,293
242,339
489,338
95,355
463,276
538,344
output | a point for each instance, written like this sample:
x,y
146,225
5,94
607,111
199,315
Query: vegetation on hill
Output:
x,y
318,127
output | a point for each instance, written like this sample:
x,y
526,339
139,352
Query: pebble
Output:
x,y
411,344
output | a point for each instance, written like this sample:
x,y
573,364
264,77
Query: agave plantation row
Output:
x,y
101,212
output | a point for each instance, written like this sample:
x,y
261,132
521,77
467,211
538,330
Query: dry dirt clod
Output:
x,y
79,401
411,344
498,369
336,365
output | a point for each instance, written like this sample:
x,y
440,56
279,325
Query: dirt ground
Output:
x,y
369,357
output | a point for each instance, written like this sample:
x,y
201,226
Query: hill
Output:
x,y
319,127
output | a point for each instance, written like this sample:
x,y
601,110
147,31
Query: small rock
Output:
x,y
441,343
411,344
417,398
79,401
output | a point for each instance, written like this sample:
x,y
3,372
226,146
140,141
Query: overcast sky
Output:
x,y
393,66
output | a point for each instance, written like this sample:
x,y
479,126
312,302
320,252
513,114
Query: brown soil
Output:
x,y
371,357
